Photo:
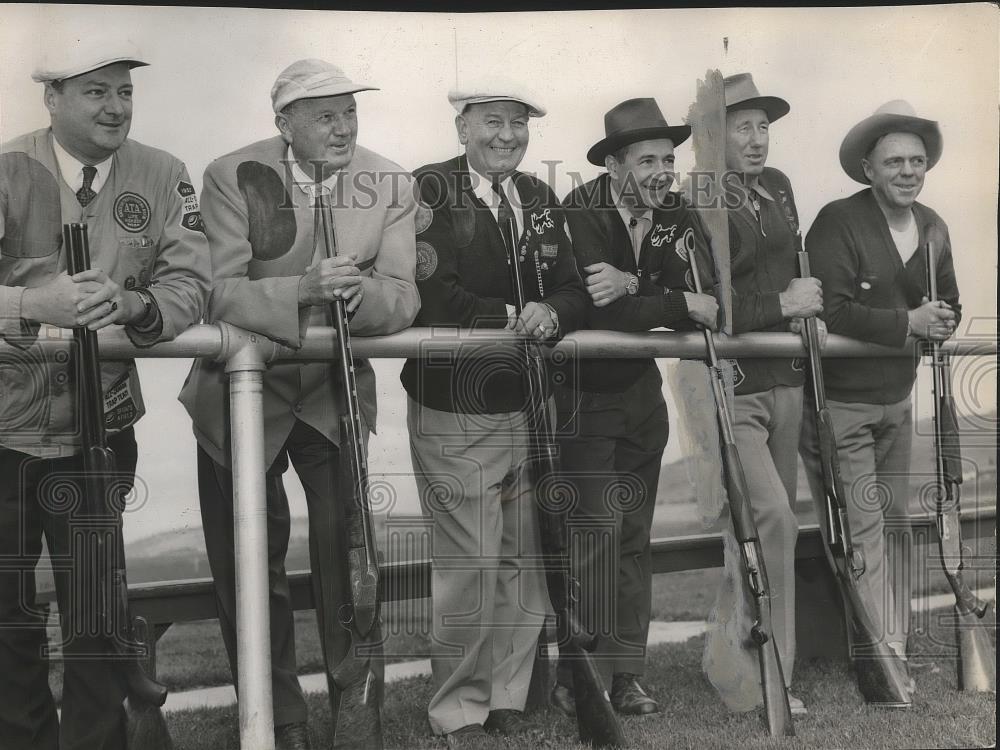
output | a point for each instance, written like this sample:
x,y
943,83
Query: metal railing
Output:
x,y
246,357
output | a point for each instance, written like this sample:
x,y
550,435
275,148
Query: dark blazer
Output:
x,y
464,281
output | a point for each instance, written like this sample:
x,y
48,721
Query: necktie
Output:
x,y
85,194
505,219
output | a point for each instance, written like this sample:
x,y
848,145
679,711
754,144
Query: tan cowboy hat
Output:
x,y
897,116
741,93
632,121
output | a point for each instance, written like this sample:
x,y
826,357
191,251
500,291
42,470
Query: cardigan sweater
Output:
x,y
867,291
599,235
465,283
762,263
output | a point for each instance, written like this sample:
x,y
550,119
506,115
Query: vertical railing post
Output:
x,y
245,366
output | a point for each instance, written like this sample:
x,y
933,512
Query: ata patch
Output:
x,y
427,260
685,244
132,212
423,218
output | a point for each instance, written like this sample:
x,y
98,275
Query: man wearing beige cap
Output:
x,y
467,415
767,295
631,236
869,250
150,274
271,275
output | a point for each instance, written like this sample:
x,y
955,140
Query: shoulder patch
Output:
x,y
685,244
423,217
427,260
132,212
190,211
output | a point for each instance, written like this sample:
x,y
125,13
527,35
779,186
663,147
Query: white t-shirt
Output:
x,y
906,240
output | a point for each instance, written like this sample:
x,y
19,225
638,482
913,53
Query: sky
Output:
x,y
206,93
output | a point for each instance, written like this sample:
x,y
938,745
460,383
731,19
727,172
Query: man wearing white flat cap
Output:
x,y
467,416
271,275
150,274
869,252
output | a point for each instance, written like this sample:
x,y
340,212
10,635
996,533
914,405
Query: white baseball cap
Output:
x,y
79,56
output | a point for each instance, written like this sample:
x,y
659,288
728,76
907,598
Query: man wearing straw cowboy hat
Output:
x,y
767,295
630,237
150,274
467,416
271,275
865,248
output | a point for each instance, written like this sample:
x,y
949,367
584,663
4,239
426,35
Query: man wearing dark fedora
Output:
x,y
767,295
869,251
631,237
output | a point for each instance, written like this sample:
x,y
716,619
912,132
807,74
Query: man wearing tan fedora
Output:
x,y
271,274
869,251
767,295
631,237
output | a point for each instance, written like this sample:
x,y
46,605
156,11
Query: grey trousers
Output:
x,y
767,437
873,447
487,583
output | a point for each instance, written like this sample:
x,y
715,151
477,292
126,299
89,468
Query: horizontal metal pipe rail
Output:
x,y
219,341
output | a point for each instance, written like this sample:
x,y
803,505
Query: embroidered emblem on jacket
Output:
x,y
423,217
662,234
685,244
427,261
542,221
132,212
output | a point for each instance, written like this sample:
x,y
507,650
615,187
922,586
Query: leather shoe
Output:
x,y
562,700
469,736
292,736
509,721
628,697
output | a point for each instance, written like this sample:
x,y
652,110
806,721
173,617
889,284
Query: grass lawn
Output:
x,y
693,716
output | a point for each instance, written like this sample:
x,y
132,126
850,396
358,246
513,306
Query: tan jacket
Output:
x,y
261,233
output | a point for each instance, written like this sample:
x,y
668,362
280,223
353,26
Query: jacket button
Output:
x,y
298,408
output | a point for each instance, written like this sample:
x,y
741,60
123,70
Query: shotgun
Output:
x,y
596,721
881,673
98,546
359,715
772,679
976,654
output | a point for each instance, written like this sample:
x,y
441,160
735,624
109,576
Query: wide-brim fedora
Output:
x,y
632,121
741,93
897,116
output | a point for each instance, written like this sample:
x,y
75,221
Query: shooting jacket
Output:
x,y
144,231
599,235
262,235
465,283
762,262
867,291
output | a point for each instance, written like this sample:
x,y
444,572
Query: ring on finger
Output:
x,y
114,306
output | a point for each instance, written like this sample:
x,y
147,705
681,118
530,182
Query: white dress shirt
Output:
x,y
71,169
483,189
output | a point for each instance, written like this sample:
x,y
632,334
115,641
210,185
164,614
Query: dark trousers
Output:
x,y
611,446
41,496
315,460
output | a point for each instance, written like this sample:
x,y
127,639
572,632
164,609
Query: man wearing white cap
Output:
x,y
271,275
150,273
467,418
767,295
869,250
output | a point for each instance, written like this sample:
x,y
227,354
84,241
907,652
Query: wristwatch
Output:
x,y
147,300
632,285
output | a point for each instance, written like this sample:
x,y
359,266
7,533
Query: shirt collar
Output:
x,y
483,189
623,210
306,184
71,168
